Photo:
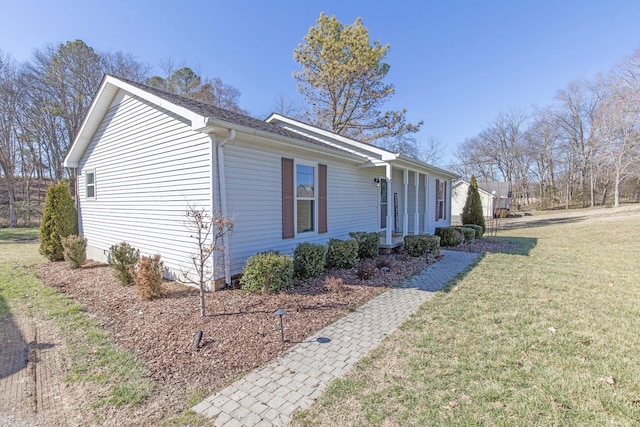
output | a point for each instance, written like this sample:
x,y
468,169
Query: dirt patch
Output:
x,y
240,331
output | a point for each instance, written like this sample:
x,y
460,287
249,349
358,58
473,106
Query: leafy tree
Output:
x,y
472,210
63,81
59,220
186,82
342,79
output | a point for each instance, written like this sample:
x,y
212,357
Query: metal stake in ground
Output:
x,y
281,312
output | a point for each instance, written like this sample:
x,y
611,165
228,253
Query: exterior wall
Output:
x,y
431,214
149,165
254,191
459,198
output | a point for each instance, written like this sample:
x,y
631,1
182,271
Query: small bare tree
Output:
x,y
208,230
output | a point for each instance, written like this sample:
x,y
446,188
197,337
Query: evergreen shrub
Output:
x,y
417,245
59,220
368,244
449,236
123,258
309,259
472,210
478,229
342,253
148,277
267,272
468,233
75,250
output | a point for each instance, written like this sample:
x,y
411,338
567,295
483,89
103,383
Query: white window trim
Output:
x,y
440,193
86,186
314,165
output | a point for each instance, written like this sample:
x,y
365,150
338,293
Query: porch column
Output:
x,y
426,204
405,212
416,224
390,219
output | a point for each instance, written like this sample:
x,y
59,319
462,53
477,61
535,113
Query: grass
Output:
x,y
94,357
546,337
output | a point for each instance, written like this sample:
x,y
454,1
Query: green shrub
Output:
x,y
472,210
309,259
417,245
75,250
123,258
449,236
267,272
478,229
468,234
59,220
148,277
368,244
342,253
366,269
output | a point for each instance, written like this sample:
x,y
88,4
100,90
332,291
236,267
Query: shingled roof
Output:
x,y
208,110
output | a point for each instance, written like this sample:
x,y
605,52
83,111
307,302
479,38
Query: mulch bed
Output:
x,y
240,330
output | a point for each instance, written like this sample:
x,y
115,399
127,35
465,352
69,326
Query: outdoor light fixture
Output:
x,y
281,312
198,339
377,181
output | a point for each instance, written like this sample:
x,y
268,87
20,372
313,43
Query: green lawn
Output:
x,y
550,337
93,355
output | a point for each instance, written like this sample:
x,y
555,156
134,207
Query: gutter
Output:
x,y
223,203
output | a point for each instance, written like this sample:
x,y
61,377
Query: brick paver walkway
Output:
x,y
272,394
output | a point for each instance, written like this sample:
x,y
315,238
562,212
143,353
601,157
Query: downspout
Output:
x,y
223,203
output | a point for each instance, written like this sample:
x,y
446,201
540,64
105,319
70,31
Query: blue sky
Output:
x,y
454,64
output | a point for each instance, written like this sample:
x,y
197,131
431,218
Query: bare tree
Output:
x,y
579,104
288,107
124,65
541,145
407,145
619,122
63,81
10,100
208,230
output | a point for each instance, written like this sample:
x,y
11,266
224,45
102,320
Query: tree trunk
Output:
x,y
616,190
13,223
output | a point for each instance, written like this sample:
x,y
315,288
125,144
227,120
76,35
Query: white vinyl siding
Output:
x,y
254,200
152,166
90,184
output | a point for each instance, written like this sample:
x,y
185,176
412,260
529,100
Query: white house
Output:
x,y
493,196
143,156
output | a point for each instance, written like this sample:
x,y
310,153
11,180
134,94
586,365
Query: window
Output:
x,y
90,183
305,198
441,206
